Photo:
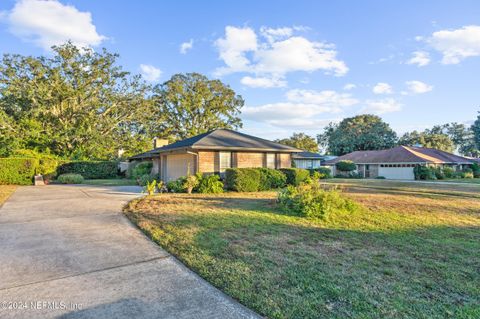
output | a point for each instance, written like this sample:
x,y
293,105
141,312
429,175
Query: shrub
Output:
x,y
439,174
271,179
295,176
142,168
354,175
324,172
467,175
70,178
190,182
19,171
448,172
209,184
90,169
47,164
424,173
311,200
346,166
243,179
380,177
176,186
476,170
150,187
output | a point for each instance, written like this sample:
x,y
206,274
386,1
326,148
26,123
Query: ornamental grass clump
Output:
x,y
314,201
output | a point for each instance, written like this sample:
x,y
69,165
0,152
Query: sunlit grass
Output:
x,y
411,253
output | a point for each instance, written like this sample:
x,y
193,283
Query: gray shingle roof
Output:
x,y
402,154
307,155
221,139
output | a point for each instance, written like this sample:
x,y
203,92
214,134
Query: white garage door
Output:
x,y
178,166
396,172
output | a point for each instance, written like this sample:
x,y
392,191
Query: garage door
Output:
x,y
396,172
178,165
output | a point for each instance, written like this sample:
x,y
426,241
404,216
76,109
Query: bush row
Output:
x,y
434,173
18,171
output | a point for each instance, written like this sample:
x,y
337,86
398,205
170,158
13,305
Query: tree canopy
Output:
x,y
428,139
191,104
359,133
77,104
301,141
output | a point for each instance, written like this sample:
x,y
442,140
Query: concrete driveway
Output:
x,y
68,252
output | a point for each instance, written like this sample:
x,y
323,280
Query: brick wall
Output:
x,y
208,161
249,159
284,160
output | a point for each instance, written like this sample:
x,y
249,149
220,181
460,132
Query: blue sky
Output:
x,y
298,64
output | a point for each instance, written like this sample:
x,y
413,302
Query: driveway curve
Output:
x,y
68,252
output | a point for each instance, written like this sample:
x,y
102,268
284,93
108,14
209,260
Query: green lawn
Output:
x,y
110,182
406,253
5,192
463,180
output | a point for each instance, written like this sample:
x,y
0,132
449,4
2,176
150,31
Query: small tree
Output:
x,y
346,166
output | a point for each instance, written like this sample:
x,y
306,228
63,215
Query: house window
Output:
x,y
270,160
225,161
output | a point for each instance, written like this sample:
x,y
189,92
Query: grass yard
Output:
x,y
110,182
408,252
5,192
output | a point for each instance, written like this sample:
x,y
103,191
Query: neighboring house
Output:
x,y
308,160
215,151
398,162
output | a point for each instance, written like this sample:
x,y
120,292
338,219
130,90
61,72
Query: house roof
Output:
x,y
402,154
307,155
221,139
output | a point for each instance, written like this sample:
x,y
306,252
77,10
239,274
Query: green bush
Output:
x,y
424,172
47,164
448,172
177,186
271,179
90,169
150,187
70,178
311,200
243,179
380,177
209,184
19,171
295,176
324,172
141,169
439,174
145,179
346,166
354,175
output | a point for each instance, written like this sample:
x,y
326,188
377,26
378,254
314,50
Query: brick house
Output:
x,y
399,162
215,151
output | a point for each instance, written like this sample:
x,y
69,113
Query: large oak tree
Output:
x,y
360,133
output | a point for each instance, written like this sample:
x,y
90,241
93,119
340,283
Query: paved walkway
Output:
x,y
68,252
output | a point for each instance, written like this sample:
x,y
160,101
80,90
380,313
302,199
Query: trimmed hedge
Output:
x,y
324,172
70,179
90,169
346,166
19,171
243,179
295,176
271,179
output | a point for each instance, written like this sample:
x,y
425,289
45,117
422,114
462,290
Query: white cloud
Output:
x,y
150,73
49,22
273,35
301,110
349,86
381,106
186,46
233,47
456,45
417,87
420,58
263,82
282,52
382,88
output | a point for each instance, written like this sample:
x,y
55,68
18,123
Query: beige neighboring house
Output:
x,y
214,152
399,162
